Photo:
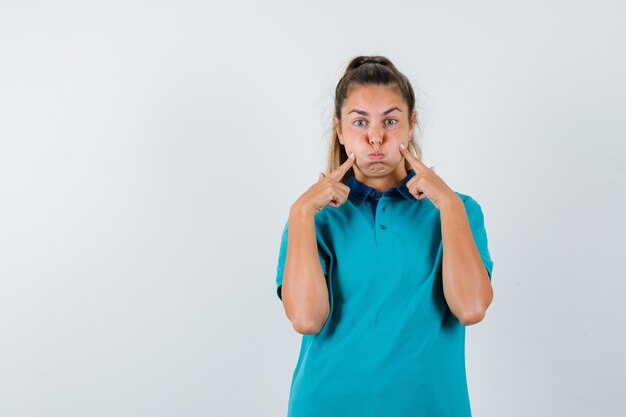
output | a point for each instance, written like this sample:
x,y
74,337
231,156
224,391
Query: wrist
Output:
x,y
301,210
451,203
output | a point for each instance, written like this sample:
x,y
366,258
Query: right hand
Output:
x,y
328,190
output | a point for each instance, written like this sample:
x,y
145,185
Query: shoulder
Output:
x,y
468,201
323,219
473,209
329,215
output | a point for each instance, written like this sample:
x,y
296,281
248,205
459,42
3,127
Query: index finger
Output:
x,y
343,168
413,161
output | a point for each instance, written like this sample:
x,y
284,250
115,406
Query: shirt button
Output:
x,y
382,226
372,193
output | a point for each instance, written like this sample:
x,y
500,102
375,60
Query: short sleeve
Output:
x,y
323,252
477,224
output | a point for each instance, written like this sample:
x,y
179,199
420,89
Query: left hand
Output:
x,y
427,184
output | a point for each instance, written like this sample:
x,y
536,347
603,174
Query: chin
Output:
x,y
377,169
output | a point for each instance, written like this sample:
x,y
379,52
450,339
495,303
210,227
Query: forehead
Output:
x,y
374,98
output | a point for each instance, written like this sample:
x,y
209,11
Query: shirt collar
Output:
x,y
359,192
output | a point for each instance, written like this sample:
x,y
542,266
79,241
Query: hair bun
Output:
x,y
369,60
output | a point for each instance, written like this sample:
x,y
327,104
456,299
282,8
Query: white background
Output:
x,y
149,153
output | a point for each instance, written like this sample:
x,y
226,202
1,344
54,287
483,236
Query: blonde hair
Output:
x,y
378,71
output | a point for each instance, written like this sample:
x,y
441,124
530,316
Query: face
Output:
x,y
373,123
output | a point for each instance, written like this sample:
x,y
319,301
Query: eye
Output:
x,y
357,123
391,122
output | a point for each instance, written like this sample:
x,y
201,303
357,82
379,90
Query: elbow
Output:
x,y
473,317
309,325
308,319
476,314
306,327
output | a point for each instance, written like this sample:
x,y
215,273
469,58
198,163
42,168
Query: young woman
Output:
x,y
381,265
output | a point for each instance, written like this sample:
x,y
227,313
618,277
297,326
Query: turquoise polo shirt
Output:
x,y
391,346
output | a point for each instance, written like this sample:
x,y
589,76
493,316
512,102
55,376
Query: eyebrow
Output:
x,y
367,114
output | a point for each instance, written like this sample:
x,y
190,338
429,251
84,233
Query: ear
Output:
x,y
413,122
337,127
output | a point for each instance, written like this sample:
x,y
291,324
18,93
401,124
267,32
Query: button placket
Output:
x,y
382,219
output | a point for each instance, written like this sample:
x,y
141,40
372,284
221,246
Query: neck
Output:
x,y
383,183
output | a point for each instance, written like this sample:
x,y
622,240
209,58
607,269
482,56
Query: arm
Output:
x,y
466,283
304,290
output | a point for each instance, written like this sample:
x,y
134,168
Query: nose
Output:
x,y
375,137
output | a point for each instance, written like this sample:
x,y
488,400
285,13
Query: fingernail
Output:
x,y
402,145
352,155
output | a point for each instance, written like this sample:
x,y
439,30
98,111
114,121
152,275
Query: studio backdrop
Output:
x,y
150,152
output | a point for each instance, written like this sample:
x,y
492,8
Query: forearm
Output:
x,y
466,283
304,290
